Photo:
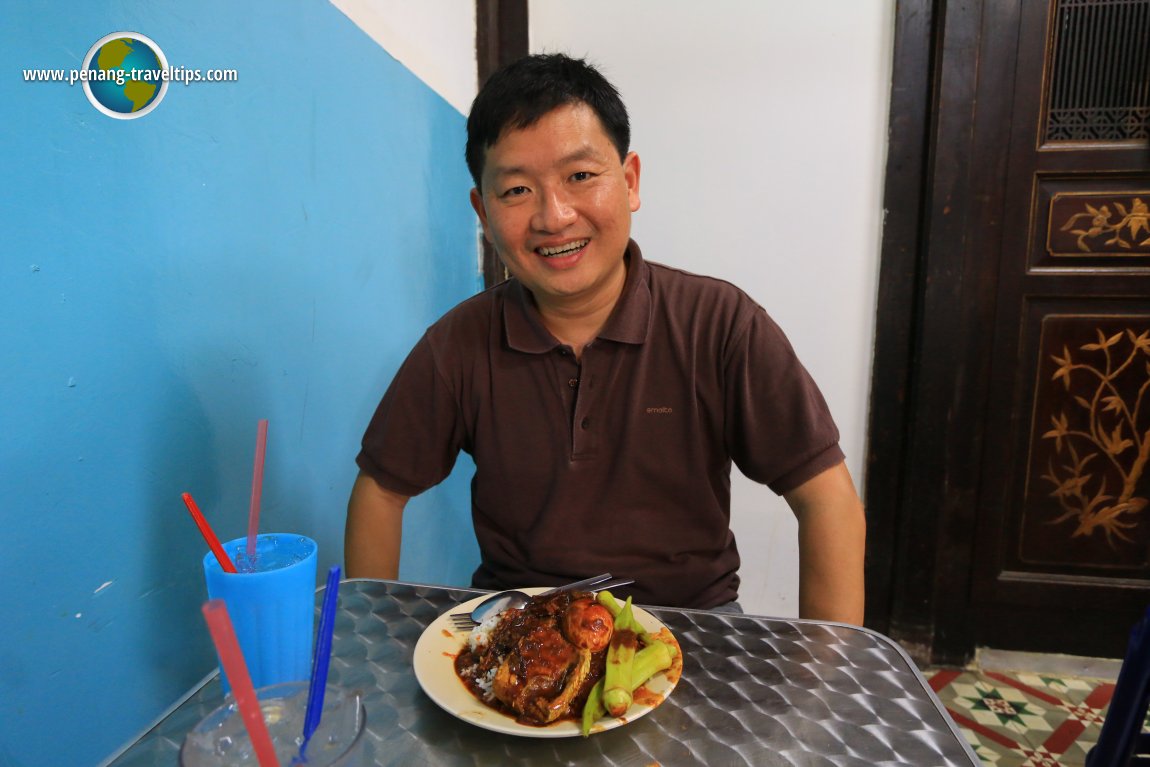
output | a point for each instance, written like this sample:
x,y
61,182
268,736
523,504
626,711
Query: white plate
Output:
x,y
434,663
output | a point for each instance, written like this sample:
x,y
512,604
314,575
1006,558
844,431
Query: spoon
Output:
x,y
497,603
505,600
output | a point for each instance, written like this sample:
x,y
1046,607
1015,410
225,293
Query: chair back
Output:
x,y
1121,742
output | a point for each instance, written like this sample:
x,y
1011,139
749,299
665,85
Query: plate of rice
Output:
x,y
440,645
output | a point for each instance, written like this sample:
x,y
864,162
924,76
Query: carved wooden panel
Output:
x,y
1091,221
1087,482
1107,224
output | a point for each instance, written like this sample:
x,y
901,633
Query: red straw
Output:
x,y
257,489
232,658
209,536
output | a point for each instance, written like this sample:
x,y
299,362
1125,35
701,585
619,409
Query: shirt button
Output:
x,y
586,424
573,383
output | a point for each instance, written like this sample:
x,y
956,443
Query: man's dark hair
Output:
x,y
519,94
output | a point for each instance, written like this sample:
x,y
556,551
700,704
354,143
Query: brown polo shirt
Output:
x,y
621,462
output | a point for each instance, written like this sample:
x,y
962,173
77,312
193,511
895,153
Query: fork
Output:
x,y
507,599
467,621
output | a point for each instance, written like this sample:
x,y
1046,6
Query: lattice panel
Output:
x,y
1099,71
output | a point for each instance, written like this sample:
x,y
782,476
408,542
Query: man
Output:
x,y
602,397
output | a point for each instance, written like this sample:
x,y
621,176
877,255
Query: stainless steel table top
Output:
x,y
754,691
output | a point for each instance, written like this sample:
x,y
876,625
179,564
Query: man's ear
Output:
x,y
481,211
631,176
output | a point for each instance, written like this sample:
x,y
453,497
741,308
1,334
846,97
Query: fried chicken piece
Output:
x,y
540,677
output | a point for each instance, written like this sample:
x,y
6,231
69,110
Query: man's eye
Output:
x,y
515,191
582,175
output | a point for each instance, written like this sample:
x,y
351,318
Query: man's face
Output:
x,y
556,205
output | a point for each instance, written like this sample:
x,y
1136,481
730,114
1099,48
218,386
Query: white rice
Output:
x,y
480,636
484,683
478,641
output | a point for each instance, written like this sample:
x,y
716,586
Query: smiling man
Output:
x,y
603,397
556,204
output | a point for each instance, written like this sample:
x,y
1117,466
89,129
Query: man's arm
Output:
x,y
373,531
832,546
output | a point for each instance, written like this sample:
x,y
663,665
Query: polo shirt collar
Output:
x,y
628,323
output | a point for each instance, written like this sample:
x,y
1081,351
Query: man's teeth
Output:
x,y
563,250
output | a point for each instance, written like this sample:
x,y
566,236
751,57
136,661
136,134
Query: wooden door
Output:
x,y
1023,496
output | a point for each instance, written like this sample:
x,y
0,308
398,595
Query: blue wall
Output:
x,y
269,248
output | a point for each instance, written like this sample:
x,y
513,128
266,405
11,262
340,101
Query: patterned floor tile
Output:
x,y
1024,720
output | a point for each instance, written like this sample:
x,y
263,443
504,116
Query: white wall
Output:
x,y
435,39
761,126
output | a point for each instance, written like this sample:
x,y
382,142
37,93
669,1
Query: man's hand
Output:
x,y
373,531
832,546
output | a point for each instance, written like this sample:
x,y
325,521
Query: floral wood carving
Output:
x,y
1097,222
1102,445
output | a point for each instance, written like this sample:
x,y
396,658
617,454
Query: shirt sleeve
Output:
x,y
778,427
416,433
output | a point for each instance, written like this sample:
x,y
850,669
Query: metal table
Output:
x,y
755,691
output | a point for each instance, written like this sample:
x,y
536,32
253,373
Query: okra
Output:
x,y
593,709
608,600
648,662
620,660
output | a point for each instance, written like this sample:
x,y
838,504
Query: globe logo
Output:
x,y
124,75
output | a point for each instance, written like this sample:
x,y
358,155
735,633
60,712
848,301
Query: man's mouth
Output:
x,y
562,250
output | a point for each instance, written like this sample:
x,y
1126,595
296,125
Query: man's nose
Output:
x,y
553,212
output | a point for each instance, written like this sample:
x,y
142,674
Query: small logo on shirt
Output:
x,y
659,411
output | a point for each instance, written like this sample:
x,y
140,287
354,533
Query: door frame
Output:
x,y
501,36
910,124
940,250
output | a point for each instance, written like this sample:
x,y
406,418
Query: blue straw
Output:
x,y
321,660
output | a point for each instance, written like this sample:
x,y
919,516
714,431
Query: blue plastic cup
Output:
x,y
271,609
